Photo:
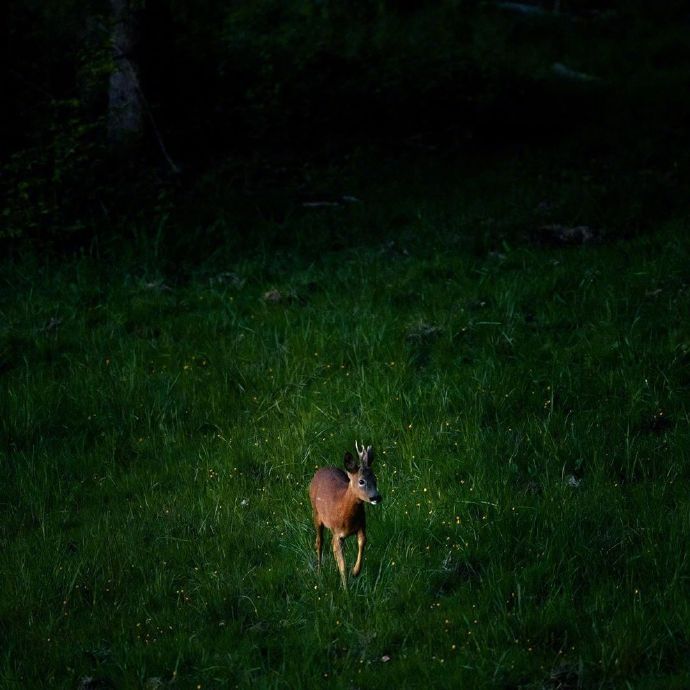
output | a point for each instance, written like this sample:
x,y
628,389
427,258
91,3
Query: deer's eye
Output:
x,y
362,482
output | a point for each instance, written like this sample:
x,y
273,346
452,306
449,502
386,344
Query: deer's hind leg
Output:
x,y
319,540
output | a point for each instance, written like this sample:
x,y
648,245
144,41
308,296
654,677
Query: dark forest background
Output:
x,y
242,97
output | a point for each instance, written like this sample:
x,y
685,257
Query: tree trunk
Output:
x,y
125,106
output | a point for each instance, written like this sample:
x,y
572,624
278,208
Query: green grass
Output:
x,y
529,408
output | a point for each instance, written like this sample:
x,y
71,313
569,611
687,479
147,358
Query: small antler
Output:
x,y
365,454
362,452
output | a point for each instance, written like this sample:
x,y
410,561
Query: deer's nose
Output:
x,y
376,499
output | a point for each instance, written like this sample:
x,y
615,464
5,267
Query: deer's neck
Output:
x,y
351,500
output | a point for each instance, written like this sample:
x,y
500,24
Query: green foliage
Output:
x,y
57,78
47,186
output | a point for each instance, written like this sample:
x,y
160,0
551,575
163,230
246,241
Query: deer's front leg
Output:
x,y
338,553
361,541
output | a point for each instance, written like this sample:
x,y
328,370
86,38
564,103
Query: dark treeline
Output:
x,y
215,81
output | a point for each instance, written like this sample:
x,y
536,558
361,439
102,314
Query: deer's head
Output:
x,y
362,478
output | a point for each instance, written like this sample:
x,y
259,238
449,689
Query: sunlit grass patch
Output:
x,y
528,407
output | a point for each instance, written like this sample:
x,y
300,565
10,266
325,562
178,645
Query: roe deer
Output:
x,y
338,502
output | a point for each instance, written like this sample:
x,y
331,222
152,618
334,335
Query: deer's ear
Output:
x,y
350,463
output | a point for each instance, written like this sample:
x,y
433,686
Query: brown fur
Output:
x,y
337,500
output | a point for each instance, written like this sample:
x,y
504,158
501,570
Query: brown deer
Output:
x,y
338,502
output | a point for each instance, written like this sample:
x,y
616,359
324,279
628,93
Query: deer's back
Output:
x,y
332,503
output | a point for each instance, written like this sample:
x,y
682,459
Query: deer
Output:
x,y
338,499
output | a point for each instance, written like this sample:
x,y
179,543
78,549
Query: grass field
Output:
x,y
529,408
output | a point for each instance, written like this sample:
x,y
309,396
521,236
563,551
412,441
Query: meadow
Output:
x,y
164,406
